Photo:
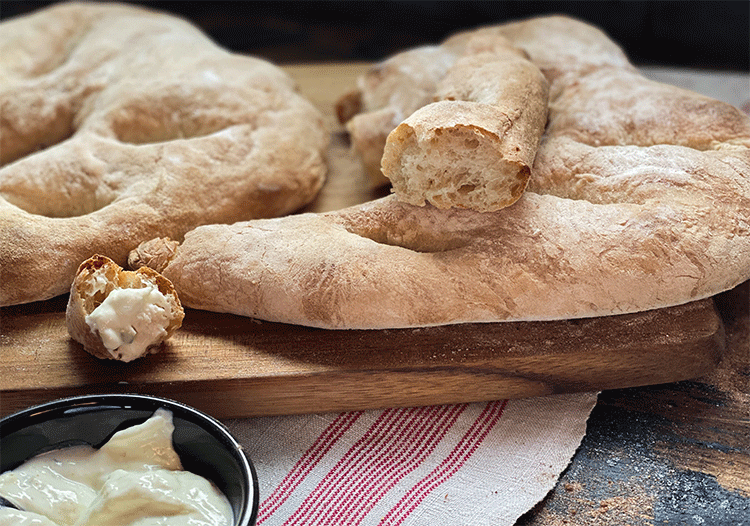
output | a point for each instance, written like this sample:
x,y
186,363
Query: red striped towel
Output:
x,y
474,464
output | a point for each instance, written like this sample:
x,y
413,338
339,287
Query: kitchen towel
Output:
x,y
468,464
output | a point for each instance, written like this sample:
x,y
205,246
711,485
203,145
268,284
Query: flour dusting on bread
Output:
x,y
121,124
638,198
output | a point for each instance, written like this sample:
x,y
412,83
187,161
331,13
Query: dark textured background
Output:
x,y
699,34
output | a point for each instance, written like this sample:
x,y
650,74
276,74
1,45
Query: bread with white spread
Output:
x,y
120,314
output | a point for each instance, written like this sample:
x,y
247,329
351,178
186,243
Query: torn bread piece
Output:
x,y
119,314
474,148
563,49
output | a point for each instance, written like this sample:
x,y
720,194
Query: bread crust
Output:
x,y
119,124
625,212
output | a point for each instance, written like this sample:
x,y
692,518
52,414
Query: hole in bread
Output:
x,y
417,241
410,229
69,189
21,137
153,119
34,116
471,143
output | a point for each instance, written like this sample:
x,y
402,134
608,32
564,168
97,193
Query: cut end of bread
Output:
x,y
121,315
453,165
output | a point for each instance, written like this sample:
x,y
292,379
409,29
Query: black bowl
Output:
x,y
204,445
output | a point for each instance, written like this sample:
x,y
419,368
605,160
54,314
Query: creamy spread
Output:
x,y
99,281
135,479
129,320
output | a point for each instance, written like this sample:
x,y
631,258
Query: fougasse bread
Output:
x,y
119,124
638,198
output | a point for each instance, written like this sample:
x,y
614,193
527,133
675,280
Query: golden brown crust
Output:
x,y
119,124
639,198
563,49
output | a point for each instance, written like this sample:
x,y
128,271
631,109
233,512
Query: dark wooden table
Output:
x,y
672,454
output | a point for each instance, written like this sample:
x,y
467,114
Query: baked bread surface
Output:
x,y
119,124
639,198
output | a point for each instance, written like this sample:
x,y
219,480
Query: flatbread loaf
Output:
x,y
639,198
120,124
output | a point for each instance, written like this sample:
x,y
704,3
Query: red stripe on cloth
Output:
x,y
373,438
396,444
322,445
465,448
359,464
393,465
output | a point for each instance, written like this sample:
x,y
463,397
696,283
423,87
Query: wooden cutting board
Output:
x,y
231,366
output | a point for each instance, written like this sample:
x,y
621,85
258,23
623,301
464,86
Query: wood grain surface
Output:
x,y
232,366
